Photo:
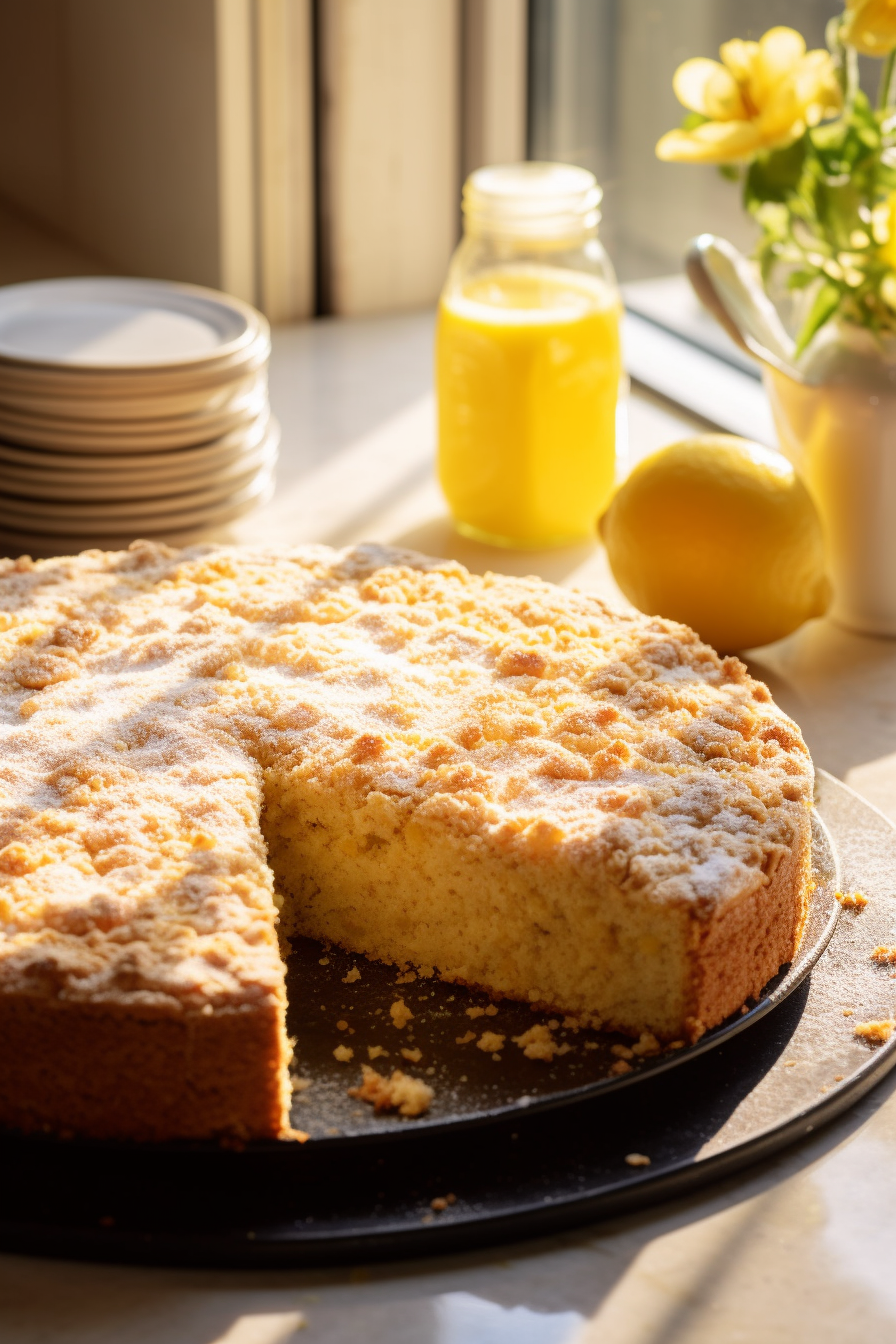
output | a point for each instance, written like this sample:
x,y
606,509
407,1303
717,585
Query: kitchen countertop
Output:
x,y
797,1249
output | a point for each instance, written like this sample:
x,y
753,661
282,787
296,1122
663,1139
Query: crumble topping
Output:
x,y
147,695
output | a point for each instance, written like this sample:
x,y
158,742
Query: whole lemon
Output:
x,y
721,534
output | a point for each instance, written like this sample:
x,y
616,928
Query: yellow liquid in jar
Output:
x,y
527,371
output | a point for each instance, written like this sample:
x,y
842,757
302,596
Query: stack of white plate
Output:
x,y
129,408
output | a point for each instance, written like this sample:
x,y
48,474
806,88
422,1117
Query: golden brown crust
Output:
x,y
116,1073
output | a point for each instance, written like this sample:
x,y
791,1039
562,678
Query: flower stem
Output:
x,y
885,92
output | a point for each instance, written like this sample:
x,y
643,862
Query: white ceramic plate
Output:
x,y
127,465
121,324
139,387
16,481
114,437
102,412
45,519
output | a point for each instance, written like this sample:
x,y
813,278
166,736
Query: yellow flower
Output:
x,y
762,96
870,26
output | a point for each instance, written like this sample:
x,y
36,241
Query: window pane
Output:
x,y
601,96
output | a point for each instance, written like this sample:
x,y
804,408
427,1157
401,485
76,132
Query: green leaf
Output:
x,y
770,177
800,279
825,304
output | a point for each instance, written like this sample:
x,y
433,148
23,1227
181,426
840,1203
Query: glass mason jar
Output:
x,y
527,360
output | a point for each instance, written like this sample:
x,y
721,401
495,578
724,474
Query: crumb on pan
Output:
x,y
353,976
466,1039
343,1053
538,1043
413,1056
400,1014
875,1032
637,1160
490,1041
441,1202
374,1051
409,1096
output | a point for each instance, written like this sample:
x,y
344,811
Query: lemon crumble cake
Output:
x,y
495,780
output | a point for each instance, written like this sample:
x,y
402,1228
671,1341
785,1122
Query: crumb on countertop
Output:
x,y
875,1033
884,956
400,1014
637,1160
851,900
343,1053
299,1084
441,1202
538,1043
409,1096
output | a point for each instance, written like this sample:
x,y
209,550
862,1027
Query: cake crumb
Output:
x,y
790,1064
884,956
621,1066
475,1012
539,1043
848,1012
875,1033
622,1051
344,1053
353,976
324,961
374,1051
409,1096
851,900
413,1056
491,1041
342,1025
647,1044
592,1045
675,1045
441,1202
491,1010
465,1040
553,1023
572,1023
406,978
838,1077
400,1014
299,1084
637,1159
